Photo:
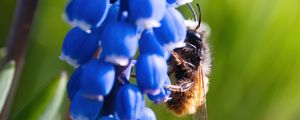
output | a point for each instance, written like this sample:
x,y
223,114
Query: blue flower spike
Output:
x,y
97,78
84,108
78,47
172,32
119,42
151,71
129,102
146,13
87,13
147,114
101,46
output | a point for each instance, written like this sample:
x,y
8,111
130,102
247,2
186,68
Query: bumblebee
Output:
x,y
190,65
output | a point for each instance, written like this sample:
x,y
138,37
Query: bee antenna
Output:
x,y
192,10
199,13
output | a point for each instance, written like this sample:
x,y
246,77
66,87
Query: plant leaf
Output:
x,y
55,104
6,77
47,102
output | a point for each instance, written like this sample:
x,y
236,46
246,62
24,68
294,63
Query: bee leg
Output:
x,y
180,88
180,61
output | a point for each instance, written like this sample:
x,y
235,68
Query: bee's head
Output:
x,y
194,38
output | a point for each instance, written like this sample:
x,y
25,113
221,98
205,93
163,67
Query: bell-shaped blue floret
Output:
x,y
68,15
150,73
97,78
129,102
164,94
176,3
119,42
78,47
147,114
73,83
172,32
149,44
84,108
112,16
146,13
87,13
109,117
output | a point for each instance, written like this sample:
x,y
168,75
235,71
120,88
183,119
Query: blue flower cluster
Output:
x,y
102,46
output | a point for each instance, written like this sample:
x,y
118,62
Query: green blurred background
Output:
x,y
256,54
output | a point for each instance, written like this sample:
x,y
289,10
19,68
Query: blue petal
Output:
x,y
147,13
110,117
73,83
69,14
129,102
147,114
83,108
176,3
171,1
172,32
78,47
150,73
163,95
89,13
119,41
149,44
97,78
112,16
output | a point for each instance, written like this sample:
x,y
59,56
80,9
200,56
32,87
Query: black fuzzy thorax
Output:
x,y
189,54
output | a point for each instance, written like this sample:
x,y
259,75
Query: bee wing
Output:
x,y
201,114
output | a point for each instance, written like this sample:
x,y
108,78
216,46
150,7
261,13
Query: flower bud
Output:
x,y
149,44
150,73
112,16
146,13
97,78
119,42
84,108
87,13
129,102
164,94
109,117
79,47
177,3
147,114
172,32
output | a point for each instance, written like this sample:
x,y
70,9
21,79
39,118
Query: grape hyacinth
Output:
x,y
103,45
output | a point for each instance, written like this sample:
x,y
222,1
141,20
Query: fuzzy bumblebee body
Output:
x,y
190,66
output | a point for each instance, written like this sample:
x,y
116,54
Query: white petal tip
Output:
x,y
118,60
171,46
148,23
69,60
